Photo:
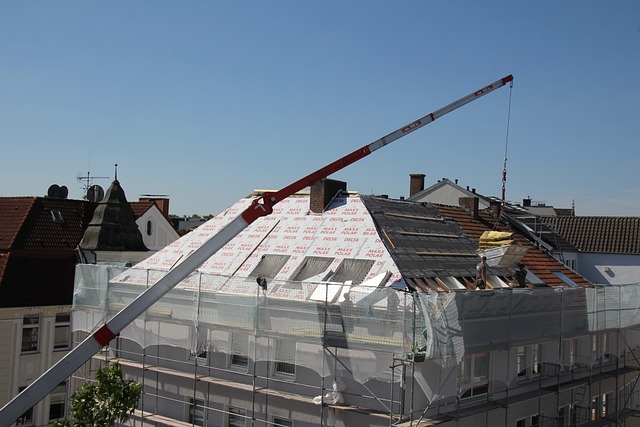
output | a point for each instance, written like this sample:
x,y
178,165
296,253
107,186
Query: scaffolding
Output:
x,y
396,357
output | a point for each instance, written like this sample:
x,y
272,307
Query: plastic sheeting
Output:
x,y
224,314
293,322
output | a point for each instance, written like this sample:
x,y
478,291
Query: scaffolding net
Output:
x,y
295,322
219,314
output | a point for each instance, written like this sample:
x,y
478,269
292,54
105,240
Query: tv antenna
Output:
x,y
92,192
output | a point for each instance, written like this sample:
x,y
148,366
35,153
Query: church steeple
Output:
x,y
113,227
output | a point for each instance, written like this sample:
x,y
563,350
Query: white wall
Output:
x,y
19,370
614,269
449,195
160,233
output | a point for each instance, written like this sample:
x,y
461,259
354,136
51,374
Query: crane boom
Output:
x,y
260,207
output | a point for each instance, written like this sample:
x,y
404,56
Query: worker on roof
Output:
x,y
481,273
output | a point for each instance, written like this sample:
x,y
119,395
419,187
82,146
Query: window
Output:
x,y
534,280
352,269
269,266
200,353
57,403
600,348
285,422
568,354
594,408
521,422
27,418
57,216
473,375
239,349
563,417
285,357
62,332
311,266
536,420
606,402
149,227
196,411
30,333
237,417
529,361
536,365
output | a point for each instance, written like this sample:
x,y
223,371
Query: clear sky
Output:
x,y
205,101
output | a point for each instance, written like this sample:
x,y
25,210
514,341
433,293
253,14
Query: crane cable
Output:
x,y
506,146
506,149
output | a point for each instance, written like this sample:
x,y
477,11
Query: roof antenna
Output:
x,y
116,178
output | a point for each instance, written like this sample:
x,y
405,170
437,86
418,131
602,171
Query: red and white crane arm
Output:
x,y
261,206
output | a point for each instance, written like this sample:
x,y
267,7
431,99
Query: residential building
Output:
x,y
607,249
341,309
152,218
39,239
444,192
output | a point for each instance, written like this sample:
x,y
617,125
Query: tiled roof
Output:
x,y
38,240
620,235
537,229
55,225
535,260
422,242
13,213
140,207
42,223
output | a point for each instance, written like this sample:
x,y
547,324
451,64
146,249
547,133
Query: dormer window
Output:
x,y
57,216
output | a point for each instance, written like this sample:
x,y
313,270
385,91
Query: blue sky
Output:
x,y
205,101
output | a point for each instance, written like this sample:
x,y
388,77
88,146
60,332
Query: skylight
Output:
x,y
534,280
57,216
269,266
560,275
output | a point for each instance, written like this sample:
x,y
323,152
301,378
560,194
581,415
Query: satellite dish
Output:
x,y
64,192
95,193
54,190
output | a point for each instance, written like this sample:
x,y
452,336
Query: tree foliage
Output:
x,y
102,403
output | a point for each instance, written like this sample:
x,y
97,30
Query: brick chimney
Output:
x,y
323,191
416,183
495,206
161,202
470,204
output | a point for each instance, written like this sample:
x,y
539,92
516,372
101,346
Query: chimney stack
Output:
x,y
323,191
526,203
470,204
496,208
416,183
161,202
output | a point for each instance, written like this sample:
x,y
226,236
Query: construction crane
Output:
x,y
262,206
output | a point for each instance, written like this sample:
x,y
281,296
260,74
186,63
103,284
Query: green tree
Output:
x,y
102,403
